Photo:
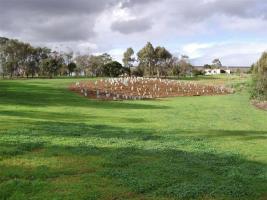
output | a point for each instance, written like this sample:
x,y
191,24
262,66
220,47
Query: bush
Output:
x,y
259,90
197,72
112,69
138,71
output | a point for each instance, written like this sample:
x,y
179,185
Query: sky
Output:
x,y
232,30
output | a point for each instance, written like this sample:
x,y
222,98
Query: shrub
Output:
x,y
113,69
259,90
197,72
138,71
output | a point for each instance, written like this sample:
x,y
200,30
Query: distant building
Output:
x,y
223,70
217,71
81,73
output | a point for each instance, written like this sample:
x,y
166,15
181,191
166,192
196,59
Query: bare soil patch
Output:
x,y
144,88
260,104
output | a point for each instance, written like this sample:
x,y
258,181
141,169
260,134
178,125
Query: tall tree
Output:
x,y
162,60
146,57
68,57
52,64
83,65
3,42
71,67
216,63
184,66
128,59
11,57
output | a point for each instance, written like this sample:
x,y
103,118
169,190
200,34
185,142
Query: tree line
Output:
x,y
19,59
156,62
23,60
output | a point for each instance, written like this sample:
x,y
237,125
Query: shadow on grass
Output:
x,y
144,162
47,127
27,94
236,134
156,173
108,131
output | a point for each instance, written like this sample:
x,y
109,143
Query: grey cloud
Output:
x,y
132,26
132,3
55,7
195,11
61,30
51,20
166,22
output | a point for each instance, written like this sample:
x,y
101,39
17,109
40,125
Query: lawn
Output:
x,y
55,144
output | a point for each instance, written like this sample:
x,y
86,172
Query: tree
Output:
x,y
68,57
52,64
11,55
3,42
207,66
27,63
18,58
112,69
97,63
184,66
260,78
175,66
216,63
162,60
146,57
128,59
83,64
105,58
71,67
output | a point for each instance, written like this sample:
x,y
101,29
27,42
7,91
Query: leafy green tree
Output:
x,y
11,54
71,67
112,69
146,57
128,59
162,60
52,64
97,63
175,66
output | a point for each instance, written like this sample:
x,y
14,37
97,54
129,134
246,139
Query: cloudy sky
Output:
x,y
232,30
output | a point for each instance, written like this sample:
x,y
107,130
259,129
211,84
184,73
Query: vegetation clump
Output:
x,y
138,88
259,90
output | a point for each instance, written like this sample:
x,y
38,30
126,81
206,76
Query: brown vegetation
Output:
x,y
143,88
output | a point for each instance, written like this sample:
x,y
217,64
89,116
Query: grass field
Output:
x,y
55,144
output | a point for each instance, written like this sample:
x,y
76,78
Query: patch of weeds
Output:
x,y
20,189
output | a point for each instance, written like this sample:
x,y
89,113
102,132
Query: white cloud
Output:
x,y
195,49
117,54
230,53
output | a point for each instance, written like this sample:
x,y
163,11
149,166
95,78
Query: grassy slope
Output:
x,y
55,144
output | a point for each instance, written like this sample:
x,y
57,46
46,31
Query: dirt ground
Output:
x,y
260,104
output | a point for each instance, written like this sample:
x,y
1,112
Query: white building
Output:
x,y
217,71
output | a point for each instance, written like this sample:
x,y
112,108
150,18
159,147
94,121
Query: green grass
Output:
x,y
55,144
